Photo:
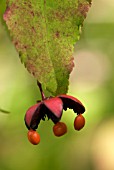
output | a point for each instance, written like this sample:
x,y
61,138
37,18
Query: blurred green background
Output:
x,y
92,81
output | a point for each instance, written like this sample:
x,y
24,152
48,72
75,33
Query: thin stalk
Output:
x,y
41,91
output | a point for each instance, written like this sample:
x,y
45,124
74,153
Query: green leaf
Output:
x,y
2,9
44,33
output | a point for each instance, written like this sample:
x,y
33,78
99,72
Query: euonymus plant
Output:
x,y
44,33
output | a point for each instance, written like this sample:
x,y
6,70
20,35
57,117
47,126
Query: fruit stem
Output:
x,y
41,91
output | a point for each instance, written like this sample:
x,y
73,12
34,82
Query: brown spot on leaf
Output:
x,y
70,65
59,16
83,9
30,66
33,30
16,44
32,13
25,46
57,34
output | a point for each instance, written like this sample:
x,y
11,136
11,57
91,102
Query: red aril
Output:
x,y
33,137
79,122
59,129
